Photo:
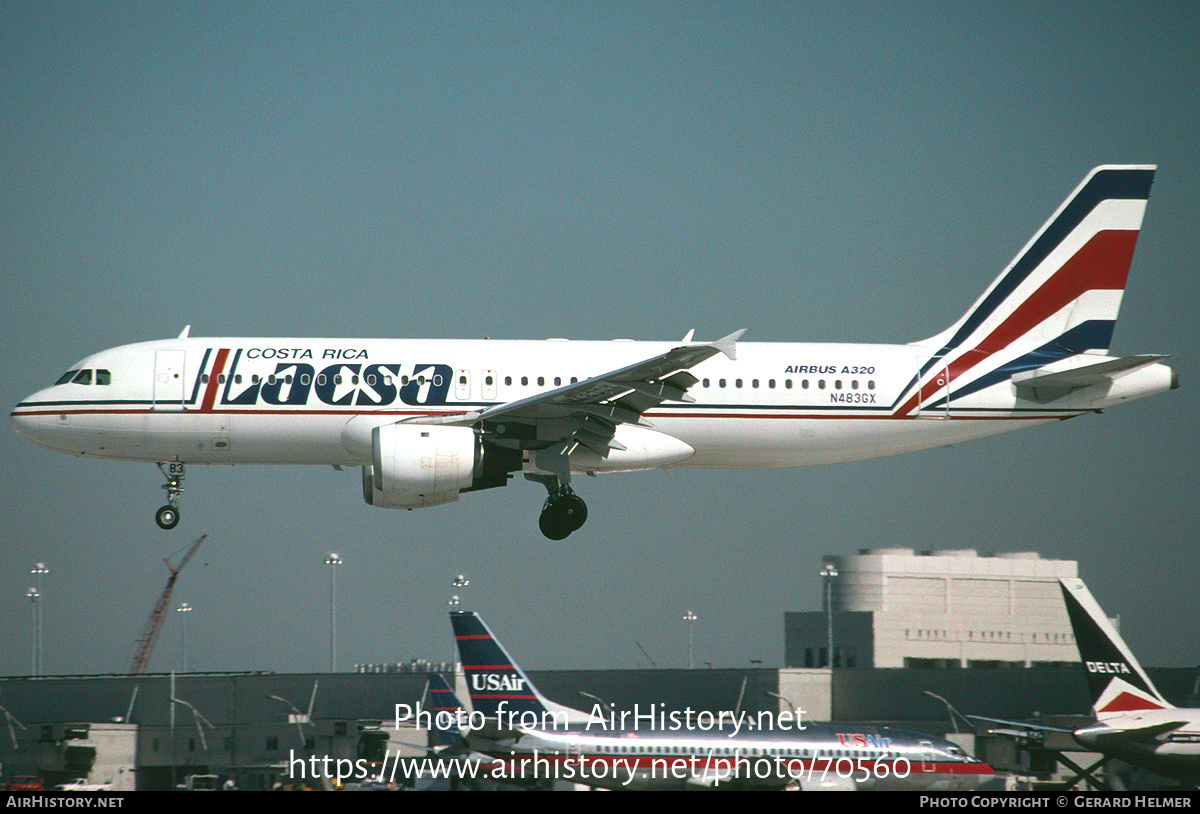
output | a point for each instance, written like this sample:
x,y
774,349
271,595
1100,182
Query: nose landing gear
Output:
x,y
167,517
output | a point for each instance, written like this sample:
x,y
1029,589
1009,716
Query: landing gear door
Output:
x,y
934,385
168,380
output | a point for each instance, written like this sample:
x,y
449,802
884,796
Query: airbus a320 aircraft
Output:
x,y
430,419
531,737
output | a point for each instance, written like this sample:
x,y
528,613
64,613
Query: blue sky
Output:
x,y
587,170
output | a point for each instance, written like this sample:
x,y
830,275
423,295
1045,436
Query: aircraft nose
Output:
x,y
25,425
31,424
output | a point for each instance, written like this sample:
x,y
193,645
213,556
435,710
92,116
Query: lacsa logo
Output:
x,y
340,384
497,681
1110,667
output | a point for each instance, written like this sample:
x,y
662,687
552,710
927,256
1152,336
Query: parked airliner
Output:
x,y
430,419
1134,722
528,736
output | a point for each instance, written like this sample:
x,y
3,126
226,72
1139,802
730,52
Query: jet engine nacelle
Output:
x,y
416,465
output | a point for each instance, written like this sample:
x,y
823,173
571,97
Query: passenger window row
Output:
x,y
838,384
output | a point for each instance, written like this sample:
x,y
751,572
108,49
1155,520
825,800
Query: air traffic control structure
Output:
x,y
893,607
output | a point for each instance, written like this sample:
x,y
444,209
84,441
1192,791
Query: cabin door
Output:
x,y
934,386
168,380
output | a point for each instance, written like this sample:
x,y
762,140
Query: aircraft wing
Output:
x,y
588,412
1020,731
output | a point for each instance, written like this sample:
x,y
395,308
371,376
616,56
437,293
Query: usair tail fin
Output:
x,y
1117,683
497,685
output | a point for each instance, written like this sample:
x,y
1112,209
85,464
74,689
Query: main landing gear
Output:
x,y
563,512
168,516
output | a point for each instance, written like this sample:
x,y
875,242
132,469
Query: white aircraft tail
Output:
x,y
1058,298
1117,683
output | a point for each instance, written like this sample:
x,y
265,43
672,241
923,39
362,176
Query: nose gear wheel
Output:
x,y
167,517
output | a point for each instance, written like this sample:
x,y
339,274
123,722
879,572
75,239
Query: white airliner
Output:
x,y
429,419
530,737
1134,722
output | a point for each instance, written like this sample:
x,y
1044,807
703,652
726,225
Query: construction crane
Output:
x,y
145,645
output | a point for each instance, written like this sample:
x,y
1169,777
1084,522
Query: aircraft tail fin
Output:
x,y
1059,297
497,685
1117,683
443,700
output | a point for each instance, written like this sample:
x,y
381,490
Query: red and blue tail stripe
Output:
x,y
1058,298
496,684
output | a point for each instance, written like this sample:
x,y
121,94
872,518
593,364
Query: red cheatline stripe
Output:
x,y
853,415
473,636
722,762
210,393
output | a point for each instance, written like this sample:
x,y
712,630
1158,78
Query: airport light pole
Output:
x,y
37,570
829,572
458,582
455,604
333,560
183,610
33,595
690,617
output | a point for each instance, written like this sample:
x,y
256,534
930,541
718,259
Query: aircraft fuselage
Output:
x,y
292,401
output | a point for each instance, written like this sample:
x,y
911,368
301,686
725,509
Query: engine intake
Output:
x,y
415,465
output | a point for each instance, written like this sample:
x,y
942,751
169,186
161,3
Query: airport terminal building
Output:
x,y
893,607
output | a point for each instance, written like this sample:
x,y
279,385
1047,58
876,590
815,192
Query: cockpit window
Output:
x,y
66,377
103,377
83,377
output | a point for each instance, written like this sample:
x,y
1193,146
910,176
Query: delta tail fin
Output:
x,y
1117,683
497,685
1057,299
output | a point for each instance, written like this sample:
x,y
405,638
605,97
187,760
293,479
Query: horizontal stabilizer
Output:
x,y
1111,734
1086,376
